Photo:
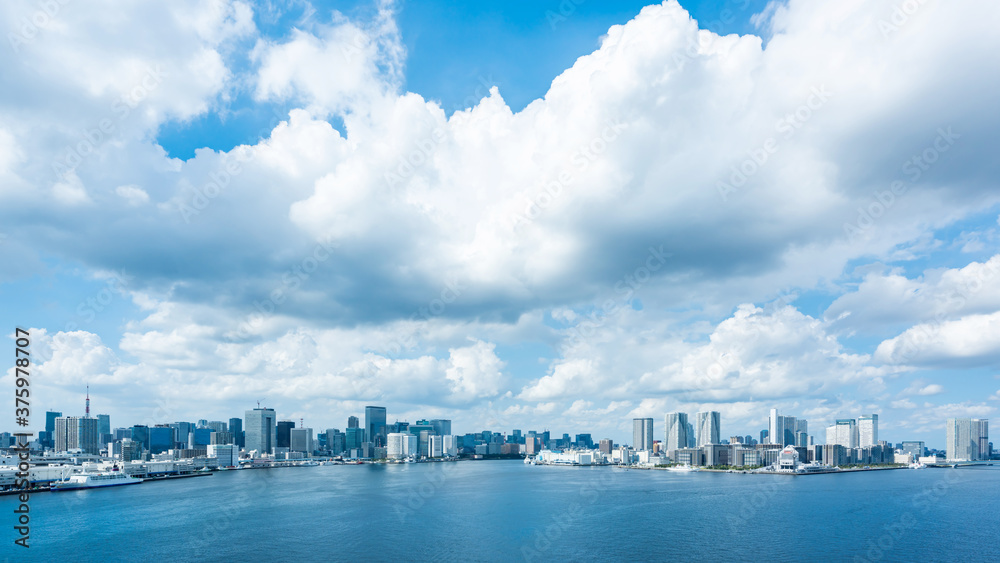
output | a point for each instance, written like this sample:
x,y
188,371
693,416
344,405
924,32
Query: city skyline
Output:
x,y
505,215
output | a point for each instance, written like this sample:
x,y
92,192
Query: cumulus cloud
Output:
x,y
664,181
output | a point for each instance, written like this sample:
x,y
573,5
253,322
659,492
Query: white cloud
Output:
x,y
971,340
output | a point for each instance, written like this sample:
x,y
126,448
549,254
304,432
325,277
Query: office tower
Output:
x,y
200,437
606,446
709,424
352,422
140,434
676,431
801,425
450,446
202,423
217,426
867,430
765,437
844,433
801,439
914,448
161,438
442,427
236,427
301,440
981,430
782,429
642,434
394,445
335,441
50,420
967,439
220,438
182,431
584,441
353,438
435,446
104,424
375,425
261,431
518,438
283,433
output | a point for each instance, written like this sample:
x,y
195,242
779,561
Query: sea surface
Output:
x,y
508,511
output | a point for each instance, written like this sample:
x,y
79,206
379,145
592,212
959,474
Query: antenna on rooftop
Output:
x,y
88,402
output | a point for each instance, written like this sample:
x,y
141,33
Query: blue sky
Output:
x,y
682,207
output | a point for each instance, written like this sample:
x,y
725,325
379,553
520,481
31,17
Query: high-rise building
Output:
x,y
967,439
352,422
217,426
283,433
782,429
676,431
709,424
867,430
236,427
182,431
104,424
301,440
435,446
73,433
161,438
261,430
606,446
353,438
844,432
584,441
442,427
914,448
375,425
642,434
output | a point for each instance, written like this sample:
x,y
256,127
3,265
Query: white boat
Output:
x,y
682,468
917,466
95,480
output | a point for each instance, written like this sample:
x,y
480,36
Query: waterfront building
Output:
x,y
716,454
283,433
226,455
301,440
914,448
867,430
606,446
834,455
788,460
261,430
236,427
642,434
394,445
688,456
676,424
967,439
375,425
708,428
435,446
450,445
354,437
843,432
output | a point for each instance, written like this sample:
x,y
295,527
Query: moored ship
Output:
x,y
95,480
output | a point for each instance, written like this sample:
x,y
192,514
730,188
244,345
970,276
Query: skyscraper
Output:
x,y
77,433
642,434
844,433
867,430
709,423
352,422
441,426
301,440
967,439
676,431
261,431
236,427
283,433
375,425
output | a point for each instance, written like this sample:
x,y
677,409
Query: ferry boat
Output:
x,y
95,480
682,468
